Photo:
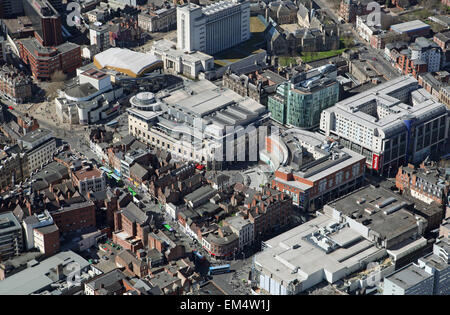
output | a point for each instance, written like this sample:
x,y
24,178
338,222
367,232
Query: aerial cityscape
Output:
x,y
225,148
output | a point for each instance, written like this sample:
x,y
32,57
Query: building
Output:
x,y
46,239
200,110
136,266
349,9
366,29
213,28
430,276
412,28
428,184
110,283
10,236
99,36
14,84
282,12
311,169
220,243
89,179
39,145
243,228
421,56
300,101
74,217
257,84
92,97
46,21
131,63
49,275
11,8
44,61
161,19
179,62
434,83
444,96
391,124
131,228
13,167
33,222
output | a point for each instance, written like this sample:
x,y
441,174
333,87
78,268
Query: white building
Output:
x,y
180,62
427,51
33,222
390,124
244,228
39,146
213,28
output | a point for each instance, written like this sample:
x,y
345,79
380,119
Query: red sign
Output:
x,y
375,162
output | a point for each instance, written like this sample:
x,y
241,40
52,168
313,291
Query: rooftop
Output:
x,y
410,26
409,276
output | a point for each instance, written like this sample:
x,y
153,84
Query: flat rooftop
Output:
x,y
35,135
409,276
409,26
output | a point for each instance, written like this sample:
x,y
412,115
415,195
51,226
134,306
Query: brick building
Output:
x,y
15,84
166,245
46,239
126,259
74,217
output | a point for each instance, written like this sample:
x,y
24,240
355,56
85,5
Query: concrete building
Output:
x,y
300,101
390,124
39,145
10,236
430,276
412,28
180,62
47,276
99,36
311,169
213,28
161,19
200,110
110,283
33,222
243,228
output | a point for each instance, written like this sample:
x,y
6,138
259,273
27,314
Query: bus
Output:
x,y
168,227
114,176
218,270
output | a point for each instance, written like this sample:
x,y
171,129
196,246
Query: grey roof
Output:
x,y
106,279
35,279
409,276
133,213
48,229
9,223
199,193
138,170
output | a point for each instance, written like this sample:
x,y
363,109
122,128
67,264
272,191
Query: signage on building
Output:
x,y
375,162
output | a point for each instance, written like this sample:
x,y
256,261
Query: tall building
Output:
x,y
213,28
10,8
391,124
99,36
300,101
47,52
46,21
11,239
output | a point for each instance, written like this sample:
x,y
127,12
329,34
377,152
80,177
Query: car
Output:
x,y
105,257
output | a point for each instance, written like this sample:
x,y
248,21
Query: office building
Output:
x,y
33,222
391,124
312,169
89,179
11,238
300,101
162,19
198,122
99,36
213,28
14,84
430,276
13,167
39,145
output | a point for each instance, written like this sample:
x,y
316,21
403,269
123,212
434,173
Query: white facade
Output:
x,y
380,122
40,146
177,61
213,28
40,220
244,228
